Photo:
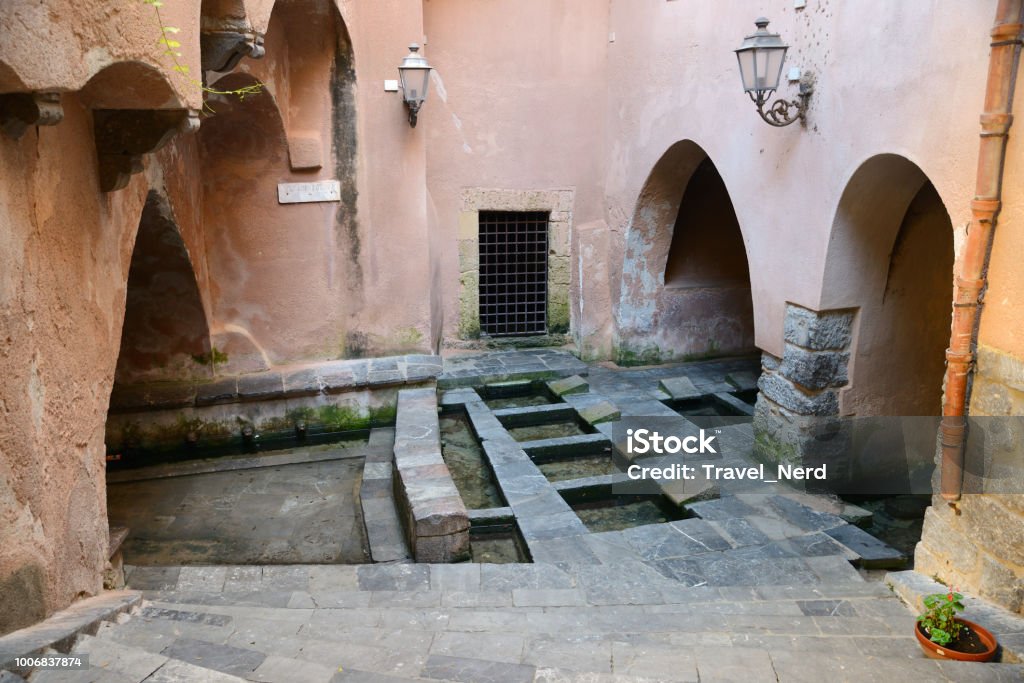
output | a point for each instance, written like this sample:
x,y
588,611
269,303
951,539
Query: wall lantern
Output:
x,y
761,57
415,74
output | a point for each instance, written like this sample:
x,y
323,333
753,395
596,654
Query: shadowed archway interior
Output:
x,y
165,333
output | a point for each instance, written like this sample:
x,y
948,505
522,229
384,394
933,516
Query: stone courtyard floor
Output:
x,y
765,584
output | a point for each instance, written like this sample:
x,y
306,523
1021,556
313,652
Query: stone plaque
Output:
x,y
297,193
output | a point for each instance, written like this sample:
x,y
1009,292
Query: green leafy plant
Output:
x,y
939,618
171,48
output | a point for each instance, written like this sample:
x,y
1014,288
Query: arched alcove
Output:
x,y
165,335
685,279
284,275
891,257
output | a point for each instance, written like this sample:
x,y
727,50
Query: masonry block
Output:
x,y
818,331
815,369
784,392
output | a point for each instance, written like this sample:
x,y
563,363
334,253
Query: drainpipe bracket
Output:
x,y
996,125
1003,34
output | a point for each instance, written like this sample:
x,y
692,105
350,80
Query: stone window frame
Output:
x,y
558,203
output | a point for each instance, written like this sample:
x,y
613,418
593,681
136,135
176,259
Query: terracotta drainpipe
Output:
x,y
970,283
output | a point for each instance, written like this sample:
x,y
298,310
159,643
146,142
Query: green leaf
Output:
x,y
181,68
171,29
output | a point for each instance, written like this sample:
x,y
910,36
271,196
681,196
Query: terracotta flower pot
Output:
x,y
936,651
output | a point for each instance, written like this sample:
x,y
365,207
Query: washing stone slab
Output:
x,y
569,386
680,388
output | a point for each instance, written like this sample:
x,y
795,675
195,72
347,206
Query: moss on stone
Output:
x,y
214,357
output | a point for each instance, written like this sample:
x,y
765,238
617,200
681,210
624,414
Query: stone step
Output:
x,y
737,636
870,552
116,662
58,632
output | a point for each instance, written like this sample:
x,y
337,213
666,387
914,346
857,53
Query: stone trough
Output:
x,y
433,515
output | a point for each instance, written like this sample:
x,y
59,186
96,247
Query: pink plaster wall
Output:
x,y
64,255
517,103
785,184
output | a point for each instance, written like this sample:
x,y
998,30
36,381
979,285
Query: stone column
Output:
x,y
796,417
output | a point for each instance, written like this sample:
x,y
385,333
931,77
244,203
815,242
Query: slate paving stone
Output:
x,y
827,608
833,570
871,553
686,571
498,647
190,617
154,578
727,665
466,670
700,534
801,516
723,509
572,549
394,577
508,577
455,577
816,545
626,583
741,532
226,658
277,669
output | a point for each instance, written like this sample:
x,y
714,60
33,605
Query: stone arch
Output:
x,y
10,81
130,85
679,297
890,257
165,334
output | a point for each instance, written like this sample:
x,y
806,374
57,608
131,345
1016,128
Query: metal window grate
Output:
x,y
513,273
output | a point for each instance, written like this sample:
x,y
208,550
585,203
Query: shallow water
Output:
x,y
618,517
578,468
469,469
518,401
495,549
552,430
902,534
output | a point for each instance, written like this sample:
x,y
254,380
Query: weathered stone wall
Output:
x,y
978,544
65,251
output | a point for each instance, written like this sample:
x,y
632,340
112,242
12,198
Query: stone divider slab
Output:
x,y
434,517
332,377
535,415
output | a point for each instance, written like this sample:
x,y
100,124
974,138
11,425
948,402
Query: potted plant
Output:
x,y
943,635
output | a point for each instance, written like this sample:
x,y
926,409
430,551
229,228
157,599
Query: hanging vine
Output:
x,y
171,48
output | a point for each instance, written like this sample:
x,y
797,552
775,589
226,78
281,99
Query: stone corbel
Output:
x,y
123,136
19,111
222,50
